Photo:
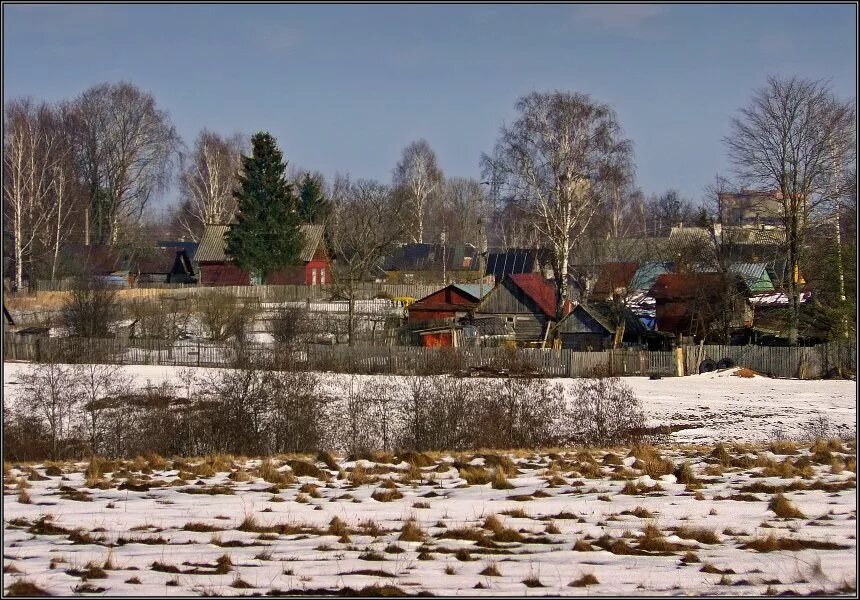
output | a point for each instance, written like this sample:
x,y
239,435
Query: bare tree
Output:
x,y
92,309
33,150
369,223
789,138
207,181
97,384
419,176
667,210
50,389
556,158
124,149
461,209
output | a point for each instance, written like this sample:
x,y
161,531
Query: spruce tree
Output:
x,y
266,235
313,205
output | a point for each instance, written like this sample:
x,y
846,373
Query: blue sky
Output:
x,y
345,88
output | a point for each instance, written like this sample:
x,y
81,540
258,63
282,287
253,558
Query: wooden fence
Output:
x,y
803,363
265,293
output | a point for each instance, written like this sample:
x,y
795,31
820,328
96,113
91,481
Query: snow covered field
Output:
x,y
569,523
523,523
710,407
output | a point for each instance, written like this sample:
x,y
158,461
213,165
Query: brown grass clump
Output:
x,y
700,534
491,570
783,447
611,458
25,588
411,532
771,543
684,474
639,511
328,459
156,462
501,461
239,475
268,472
721,454
303,468
582,546
358,476
784,508
383,495
240,583
476,475
24,497
532,581
200,527
500,480
585,580
338,527
744,372
552,529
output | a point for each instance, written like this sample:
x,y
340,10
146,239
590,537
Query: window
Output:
x,y
313,276
322,276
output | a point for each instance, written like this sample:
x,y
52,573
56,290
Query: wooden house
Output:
x,y
689,303
216,268
595,325
526,302
448,304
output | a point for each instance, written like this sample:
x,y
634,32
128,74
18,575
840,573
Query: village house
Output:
x,y
526,302
750,208
216,268
448,304
597,326
689,304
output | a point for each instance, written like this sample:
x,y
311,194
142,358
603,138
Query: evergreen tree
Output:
x,y
266,235
313,205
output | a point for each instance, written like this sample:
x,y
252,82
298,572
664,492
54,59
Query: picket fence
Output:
x,y
802,363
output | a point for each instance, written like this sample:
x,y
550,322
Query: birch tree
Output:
x,y
555,159
420,177
789,138
207,182
124,149
32,151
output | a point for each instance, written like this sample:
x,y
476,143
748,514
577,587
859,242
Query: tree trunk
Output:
x,y
793,277
350,326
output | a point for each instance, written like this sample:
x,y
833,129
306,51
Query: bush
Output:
x,y
222,316
605,412
291,325
91,310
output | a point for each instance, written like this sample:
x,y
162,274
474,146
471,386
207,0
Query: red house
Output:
x,y
216,268
449,303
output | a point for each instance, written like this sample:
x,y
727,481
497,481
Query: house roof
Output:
x,y
536,287
475,290
515,261
755,275
647,274
161,260
212,243
681,286
420,257
602,313
100,259
614,275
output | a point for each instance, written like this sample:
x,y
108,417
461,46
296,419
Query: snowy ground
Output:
x,y
137,528
569,523
710,407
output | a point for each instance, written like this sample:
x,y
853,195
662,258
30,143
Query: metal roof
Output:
x,y
474,289
213,244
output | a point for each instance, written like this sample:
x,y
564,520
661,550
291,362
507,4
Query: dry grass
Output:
x,y
585,580
383,495
744,372
25,588
411,532
771,543
500,480
476,475
784,508
700,534
491,570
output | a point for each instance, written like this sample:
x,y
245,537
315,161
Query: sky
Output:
x,y
344,88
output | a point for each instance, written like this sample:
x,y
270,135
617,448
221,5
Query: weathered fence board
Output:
x,y
796,362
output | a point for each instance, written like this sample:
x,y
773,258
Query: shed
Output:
x,y
592,326
451,302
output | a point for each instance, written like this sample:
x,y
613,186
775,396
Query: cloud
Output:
x,y
637,21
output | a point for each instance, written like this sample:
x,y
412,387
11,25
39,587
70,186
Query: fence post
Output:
x,y
679,361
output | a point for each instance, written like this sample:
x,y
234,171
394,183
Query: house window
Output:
x,y
322,276
313,276
256,279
